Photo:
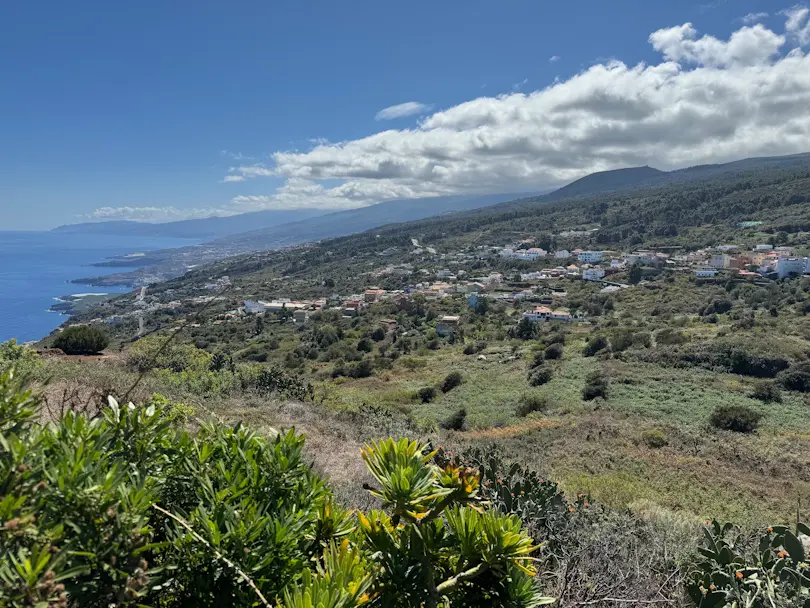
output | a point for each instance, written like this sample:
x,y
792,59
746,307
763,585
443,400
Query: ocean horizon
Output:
x,y
36,269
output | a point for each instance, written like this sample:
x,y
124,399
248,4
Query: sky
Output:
x,y
159,111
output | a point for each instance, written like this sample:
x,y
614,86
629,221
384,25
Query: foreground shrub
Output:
x,y
738,418
129,510
555,351
596,385
22,358
81,340
451,381
773,571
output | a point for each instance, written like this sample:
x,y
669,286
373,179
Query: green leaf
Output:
x,y
794,547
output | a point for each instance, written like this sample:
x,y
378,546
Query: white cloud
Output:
x,y
708,100
409,108
798,24
752,18
554,58
233,178
153,214
748,46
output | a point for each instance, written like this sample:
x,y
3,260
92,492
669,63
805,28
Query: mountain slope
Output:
x,y
356,220
205,228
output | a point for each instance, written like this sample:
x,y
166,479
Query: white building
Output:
x,y
617,263
763,247
705,273
593,274
790,266
721,260
562,254
540,313
444,273
590,257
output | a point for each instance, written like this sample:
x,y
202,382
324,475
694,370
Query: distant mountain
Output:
x,y
351,221
205,228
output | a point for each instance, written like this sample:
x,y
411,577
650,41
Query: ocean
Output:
x,y
37,267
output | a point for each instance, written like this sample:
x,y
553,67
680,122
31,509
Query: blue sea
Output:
x,y
37,267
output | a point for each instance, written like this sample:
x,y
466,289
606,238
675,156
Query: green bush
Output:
x,y
796,378
426,394
129,510
23,359
595,345
529,404
553,352
365,345
738,418
733,571
451,381
540,375
654,438
766,391
81,340
596,385
457,421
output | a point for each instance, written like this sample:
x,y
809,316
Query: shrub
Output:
x,y
131,510
426,394
540,375
596,385
654,438
670,337
595,345
553,352
365,345
23,359
451,381
766,391
531,403
81,340
469,348
796,378
457,421
733,571
737,418
360,369
378,334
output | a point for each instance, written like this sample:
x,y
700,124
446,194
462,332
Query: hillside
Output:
x,y
676,392
204,228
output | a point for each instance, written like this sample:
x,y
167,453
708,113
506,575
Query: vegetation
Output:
x,y
132,510
81,340
596,385
736,418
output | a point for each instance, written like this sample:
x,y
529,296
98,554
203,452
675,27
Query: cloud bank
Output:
x,y
706,100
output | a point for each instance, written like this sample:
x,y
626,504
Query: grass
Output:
x,y
596,447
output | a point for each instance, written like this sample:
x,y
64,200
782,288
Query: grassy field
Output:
x,y
597,446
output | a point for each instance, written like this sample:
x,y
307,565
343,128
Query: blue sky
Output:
x,y
165,110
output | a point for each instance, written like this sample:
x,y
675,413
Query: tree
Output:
x,y
596,385
635,274
82,340
259,325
